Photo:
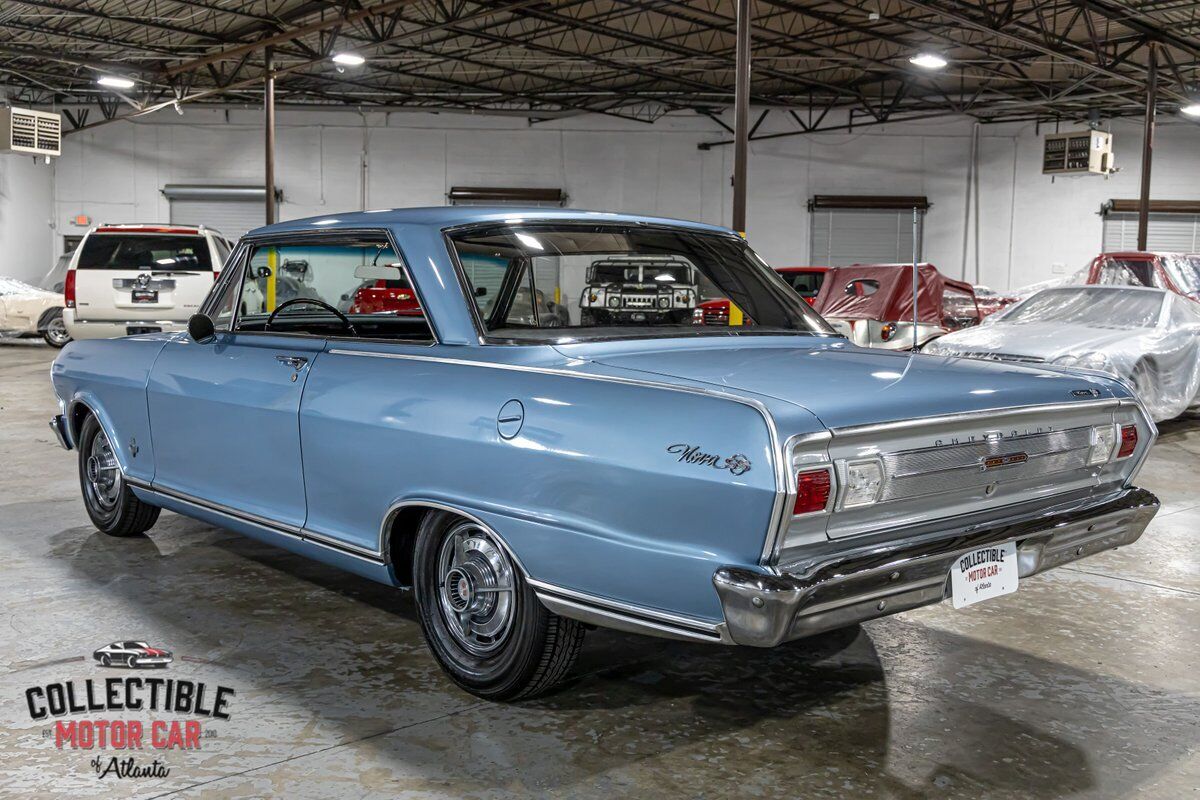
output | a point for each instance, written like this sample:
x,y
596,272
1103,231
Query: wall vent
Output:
x,y
37,133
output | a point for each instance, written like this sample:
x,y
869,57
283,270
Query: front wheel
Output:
x,y
110,503
482,621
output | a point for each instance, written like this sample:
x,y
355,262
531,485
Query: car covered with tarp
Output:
x,y
872,305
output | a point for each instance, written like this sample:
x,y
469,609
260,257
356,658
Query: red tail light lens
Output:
x,y
1129,441
812,491
69,289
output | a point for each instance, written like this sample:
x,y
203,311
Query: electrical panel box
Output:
x,y
37,133
1077,153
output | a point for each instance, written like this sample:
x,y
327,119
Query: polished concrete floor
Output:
x,y
1085,683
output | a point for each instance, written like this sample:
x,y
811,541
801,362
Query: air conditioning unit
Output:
x,y
1077,153
37,133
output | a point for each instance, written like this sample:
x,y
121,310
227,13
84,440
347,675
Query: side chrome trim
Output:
x,y
968,416
262,522
778,516
58,425
625,617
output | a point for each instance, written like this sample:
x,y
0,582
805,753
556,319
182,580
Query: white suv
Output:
x,y
140,278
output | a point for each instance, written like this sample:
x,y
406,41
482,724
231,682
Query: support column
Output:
x,y
741,116
1147,146
269,132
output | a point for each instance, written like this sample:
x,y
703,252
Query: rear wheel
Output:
x,y
482,621
55,332
110,503
1145,382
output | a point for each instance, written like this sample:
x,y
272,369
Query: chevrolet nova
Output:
x,y
528,478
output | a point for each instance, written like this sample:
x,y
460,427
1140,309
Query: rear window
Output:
x,y
145,252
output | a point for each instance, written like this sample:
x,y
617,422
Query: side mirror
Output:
x,y
201,329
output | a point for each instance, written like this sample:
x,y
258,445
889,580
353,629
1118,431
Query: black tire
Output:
x,y
55,330
105,661
114,510
534,654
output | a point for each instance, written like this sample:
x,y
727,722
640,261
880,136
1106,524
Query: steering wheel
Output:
x,y
311,301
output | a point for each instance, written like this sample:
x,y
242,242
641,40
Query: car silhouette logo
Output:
x,y
133,655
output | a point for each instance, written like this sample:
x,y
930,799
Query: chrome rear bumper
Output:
x,y
876,579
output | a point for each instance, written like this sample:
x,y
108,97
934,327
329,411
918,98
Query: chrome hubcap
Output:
x,y
475,588
58,330
102,473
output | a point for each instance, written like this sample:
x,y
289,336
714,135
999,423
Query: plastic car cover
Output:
x,y
1148,338
884,293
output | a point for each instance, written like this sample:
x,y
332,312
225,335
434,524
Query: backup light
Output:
x,y
1129,440
863,479
812,491
1103,439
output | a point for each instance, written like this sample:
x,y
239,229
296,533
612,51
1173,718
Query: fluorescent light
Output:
x,y
349,59
928,61
115,82
1192,109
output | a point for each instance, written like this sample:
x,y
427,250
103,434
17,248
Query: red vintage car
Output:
x,y
805,280
385,297
872,304
1175,272
990,301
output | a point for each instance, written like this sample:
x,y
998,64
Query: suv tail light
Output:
x,y
69,289
812,491
1129,440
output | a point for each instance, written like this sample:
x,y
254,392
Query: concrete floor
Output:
x,y
1085,683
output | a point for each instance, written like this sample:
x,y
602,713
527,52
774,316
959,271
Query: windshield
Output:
x,y
1100,308
570,282
144,252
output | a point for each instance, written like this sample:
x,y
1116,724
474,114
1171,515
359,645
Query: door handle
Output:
x,y
295,362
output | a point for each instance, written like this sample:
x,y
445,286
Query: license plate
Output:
x,y
144,295
984,573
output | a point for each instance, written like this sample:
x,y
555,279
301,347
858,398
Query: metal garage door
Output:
x,y
1168,233
232,210
863,236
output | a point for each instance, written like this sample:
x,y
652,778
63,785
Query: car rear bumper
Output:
x,y
112,329
764,609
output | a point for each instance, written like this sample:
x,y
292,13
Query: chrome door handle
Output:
x,y
295,362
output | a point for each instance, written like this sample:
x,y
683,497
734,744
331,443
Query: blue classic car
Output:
x,y
529,470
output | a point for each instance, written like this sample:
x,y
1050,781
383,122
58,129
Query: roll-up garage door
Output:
x,y
232,210
1167,233
864,230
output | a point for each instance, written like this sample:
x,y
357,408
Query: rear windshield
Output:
x,y
144,252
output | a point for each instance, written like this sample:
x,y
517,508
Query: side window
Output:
x,y
357,288
958,309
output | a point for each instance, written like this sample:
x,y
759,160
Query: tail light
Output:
x,y
887,331
812,491
1129,440
69,289
812,301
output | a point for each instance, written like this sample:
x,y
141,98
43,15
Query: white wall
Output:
x,y
26,214
1028,222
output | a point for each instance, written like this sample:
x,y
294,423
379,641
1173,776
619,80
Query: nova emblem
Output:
x,y
993,462
737,464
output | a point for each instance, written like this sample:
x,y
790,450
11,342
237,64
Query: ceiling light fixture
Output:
x,y
928,61
349,59
115,81
1191,109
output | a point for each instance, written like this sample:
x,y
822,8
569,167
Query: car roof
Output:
x,y
452,216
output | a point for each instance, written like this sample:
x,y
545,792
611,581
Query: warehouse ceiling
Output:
x,y
639,59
